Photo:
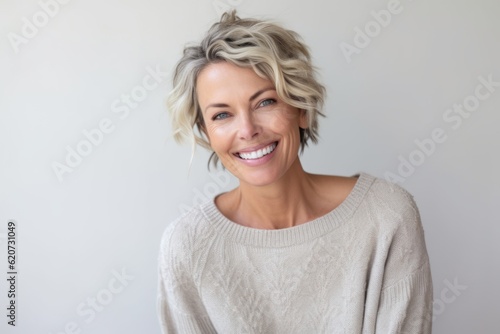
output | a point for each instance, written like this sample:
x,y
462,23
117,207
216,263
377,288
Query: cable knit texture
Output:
x,y
361,268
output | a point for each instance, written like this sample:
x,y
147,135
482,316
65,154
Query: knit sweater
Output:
x,y
361,268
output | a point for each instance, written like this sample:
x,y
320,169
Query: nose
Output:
x,y
247,126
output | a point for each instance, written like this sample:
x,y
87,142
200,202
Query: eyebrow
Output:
x,y
253,97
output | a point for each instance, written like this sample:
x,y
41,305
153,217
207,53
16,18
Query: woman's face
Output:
x,y
255,134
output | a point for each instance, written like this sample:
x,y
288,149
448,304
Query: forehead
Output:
x,y
226,68
227,78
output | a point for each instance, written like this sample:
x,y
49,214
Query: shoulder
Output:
x,y
384,196
184,238
394,212
391,215
332,189
400,234
390,200
187,226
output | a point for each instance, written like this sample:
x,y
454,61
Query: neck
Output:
x,y
287,202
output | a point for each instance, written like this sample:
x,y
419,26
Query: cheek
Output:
x,y
218,135
283,121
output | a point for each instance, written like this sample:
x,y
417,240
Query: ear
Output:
x,y
303,123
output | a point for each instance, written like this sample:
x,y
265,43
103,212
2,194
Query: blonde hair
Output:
x,y
273,52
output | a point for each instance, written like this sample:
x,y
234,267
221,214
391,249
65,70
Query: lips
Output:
x,y
257,154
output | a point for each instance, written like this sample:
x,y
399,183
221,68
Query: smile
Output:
x,y
258,153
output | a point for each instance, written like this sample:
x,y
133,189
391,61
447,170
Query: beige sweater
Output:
x,y
362,268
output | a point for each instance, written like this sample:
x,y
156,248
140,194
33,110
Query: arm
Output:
x,y
406,306
179,307
406,297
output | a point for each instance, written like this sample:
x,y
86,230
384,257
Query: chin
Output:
x,y
259,178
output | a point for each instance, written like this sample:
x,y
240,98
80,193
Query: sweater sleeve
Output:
x,y
179,306
406,298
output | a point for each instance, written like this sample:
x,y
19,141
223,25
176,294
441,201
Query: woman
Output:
x,y
286,251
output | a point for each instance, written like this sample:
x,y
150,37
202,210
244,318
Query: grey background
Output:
x,y
106,216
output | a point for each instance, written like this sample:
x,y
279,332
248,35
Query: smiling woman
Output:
x,y
252,128
286,251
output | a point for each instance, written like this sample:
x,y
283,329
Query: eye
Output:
x,y
219,116
267,102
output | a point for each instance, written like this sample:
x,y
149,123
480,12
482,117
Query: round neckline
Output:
x,y
237,233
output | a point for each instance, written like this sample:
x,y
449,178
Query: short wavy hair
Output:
x,y
273,52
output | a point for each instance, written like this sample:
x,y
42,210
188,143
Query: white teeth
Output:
x,y
259,153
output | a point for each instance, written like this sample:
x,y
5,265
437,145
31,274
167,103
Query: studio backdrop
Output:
x,y
90,175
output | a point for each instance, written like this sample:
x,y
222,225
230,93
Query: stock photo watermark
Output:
x,y
371,29
30,27
453,117
448,295
12,271
88,309
220,179
121,107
